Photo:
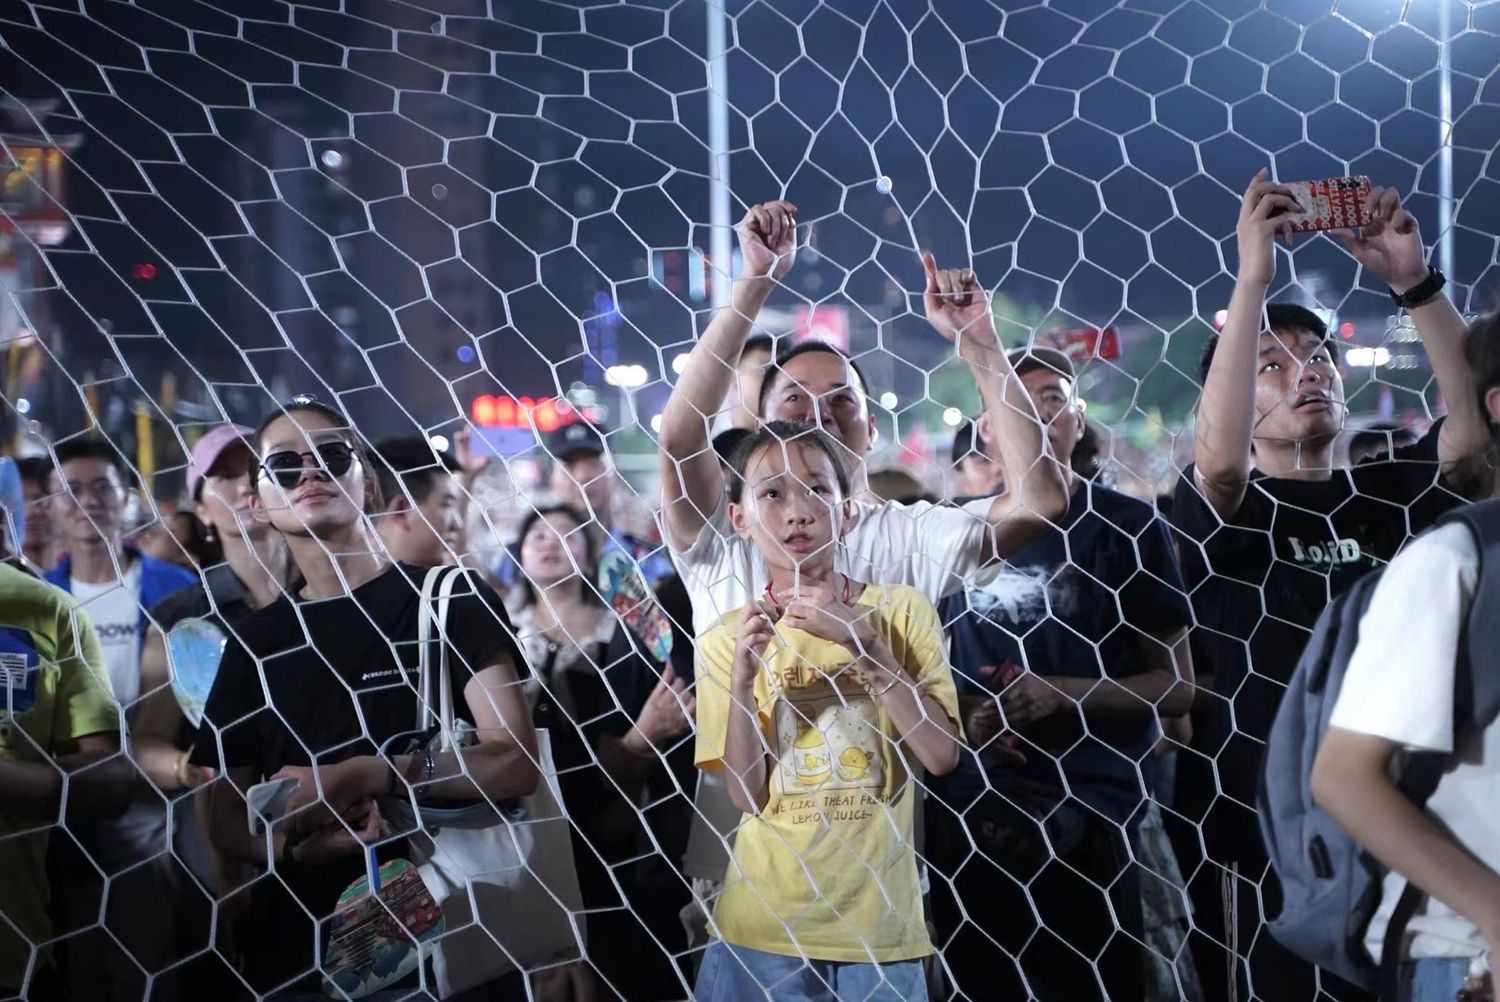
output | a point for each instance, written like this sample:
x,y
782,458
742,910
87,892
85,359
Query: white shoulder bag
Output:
x,y
503,874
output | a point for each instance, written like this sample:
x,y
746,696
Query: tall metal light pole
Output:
x,y
720,244
1445,140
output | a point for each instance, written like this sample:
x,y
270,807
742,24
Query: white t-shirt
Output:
x,y
1399,686
115,608
935,549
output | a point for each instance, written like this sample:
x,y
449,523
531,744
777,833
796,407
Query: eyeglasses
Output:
x,y
288,468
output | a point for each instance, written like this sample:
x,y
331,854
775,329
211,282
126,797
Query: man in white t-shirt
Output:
x,y
1398,694
930,547
114,584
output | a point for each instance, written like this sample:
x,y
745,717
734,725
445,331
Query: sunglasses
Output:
x,y
288,468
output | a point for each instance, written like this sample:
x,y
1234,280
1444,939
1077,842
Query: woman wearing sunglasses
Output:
x,y
319,680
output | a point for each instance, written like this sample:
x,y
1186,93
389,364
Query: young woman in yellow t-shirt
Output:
x,y
814,701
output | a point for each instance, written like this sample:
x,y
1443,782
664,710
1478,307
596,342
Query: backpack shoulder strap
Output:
x,y
1477,688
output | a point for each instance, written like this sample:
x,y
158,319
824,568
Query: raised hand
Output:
x,y
345,784
826,618
1390,245
768,239
1031,698
470,460
755,632
334,841
668,712
955,302
1264,203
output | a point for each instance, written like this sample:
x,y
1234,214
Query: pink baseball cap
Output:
x,y
208,450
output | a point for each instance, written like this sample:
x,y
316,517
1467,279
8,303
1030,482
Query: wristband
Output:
x,y
1423,292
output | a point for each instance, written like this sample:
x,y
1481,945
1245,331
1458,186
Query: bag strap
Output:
x,y
445,676
424,645
1478,690
1407,904
1476,696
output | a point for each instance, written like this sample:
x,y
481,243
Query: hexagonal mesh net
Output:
x,y
770,709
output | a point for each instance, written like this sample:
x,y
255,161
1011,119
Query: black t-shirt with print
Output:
x,y
1260,579
341,675
1077,602
596,695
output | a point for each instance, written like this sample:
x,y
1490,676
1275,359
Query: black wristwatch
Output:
x,y
1423,292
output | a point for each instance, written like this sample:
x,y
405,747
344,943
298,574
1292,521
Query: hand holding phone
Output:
x,y
266,802
1338,203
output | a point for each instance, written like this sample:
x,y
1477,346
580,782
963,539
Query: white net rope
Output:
x,y
470,225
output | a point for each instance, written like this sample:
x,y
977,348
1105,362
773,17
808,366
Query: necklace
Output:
x,y
848,592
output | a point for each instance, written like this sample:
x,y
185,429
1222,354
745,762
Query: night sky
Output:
x,y
345,196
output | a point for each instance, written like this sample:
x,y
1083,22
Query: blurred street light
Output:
x,y
627,377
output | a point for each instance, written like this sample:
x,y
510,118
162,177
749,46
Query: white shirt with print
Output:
x,y
115,608
932,548
1399,687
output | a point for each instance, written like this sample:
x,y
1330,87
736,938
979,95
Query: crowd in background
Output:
x,y
817,729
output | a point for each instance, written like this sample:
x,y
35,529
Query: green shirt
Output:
x,y
53,690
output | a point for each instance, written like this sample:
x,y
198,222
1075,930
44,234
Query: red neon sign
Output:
x,y
498,411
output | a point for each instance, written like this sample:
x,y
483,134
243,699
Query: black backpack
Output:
x,y
1331,887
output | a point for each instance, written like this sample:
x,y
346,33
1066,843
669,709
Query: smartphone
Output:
x,y
1334,204
267,801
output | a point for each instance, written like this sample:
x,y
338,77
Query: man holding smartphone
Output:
x,y
1271,530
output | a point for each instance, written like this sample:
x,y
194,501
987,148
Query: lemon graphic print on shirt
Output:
x,y
828,741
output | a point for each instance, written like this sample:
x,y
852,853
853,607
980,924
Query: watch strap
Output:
x,y
1423,292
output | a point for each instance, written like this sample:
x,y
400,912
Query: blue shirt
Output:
x,y
1074,603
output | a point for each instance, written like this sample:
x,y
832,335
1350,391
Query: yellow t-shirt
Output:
x,y
828,870
53,689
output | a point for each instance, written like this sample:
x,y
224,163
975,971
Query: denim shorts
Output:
x,y
738,974
1433,979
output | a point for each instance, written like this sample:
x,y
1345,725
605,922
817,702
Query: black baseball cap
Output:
x,y
575,439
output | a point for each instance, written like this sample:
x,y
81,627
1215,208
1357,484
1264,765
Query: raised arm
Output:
x,y
1390,248
691,481
959,310
1226,410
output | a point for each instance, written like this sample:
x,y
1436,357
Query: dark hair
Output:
x,y
36,470
1378,441
201,545
410,466
1482,352
307,403
93,448
726,441
590,552
760,342
965,441
779,433
804,348
1085,460
1279,317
